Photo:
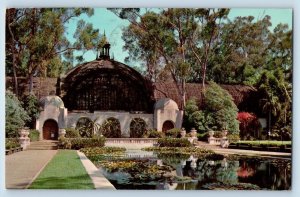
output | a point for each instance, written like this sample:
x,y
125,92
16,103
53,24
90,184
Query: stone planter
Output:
x,y
62,132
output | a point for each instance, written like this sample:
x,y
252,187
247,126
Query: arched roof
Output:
x,y
53,100
105,84
83,69
166,103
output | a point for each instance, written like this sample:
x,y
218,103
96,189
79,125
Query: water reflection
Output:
x,y
226,173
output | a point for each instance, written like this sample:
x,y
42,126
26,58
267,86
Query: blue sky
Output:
x,y
104,19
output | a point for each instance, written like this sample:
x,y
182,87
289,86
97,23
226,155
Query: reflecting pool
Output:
x,y
146,170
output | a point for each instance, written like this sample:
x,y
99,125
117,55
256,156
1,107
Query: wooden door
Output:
x,y
50,130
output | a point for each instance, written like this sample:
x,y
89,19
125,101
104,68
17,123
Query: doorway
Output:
x,y
50,130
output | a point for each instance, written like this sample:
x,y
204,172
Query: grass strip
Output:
x,y
265,142
64,171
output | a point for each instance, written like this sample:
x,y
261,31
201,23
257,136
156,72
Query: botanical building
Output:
x,y
118,97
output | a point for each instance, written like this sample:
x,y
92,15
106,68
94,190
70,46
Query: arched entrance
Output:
x,y
50,130
85,126
111,128
138,128
167,125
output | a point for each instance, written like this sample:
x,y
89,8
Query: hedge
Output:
x,y
72,133
173,142
78,143
173,133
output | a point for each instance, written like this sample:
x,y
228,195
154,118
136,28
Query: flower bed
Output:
x,y
12,145
173,142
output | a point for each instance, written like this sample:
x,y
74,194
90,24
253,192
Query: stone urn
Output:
x,y
24,132
62,132
182,132
211,133
193,133
224,133
24,140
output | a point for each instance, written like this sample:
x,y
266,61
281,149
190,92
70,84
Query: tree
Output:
x,y
240,52
31,106
218,111
219,103
37,43
275,98
169,39
15,115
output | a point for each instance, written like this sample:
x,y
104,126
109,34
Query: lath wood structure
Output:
x,y
103,85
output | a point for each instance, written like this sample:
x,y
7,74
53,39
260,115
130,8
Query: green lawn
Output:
x,y
266,142
64,171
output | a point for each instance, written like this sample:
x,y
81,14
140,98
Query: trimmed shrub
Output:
x,y
173,133
78,143
72,133
218,134
154,134
64,143
203,136
174,142
233,138
34,135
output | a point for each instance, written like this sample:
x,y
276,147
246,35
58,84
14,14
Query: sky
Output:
x,y
105,20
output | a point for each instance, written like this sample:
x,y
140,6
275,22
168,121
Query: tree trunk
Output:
x,y
183,93
31,83
13,61
203,76
15,79
269,132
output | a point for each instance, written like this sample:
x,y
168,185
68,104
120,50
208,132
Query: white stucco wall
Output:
x,y
162,115
124,118
165,110
54,113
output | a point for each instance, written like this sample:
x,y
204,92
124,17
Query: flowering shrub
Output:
x,y
249,125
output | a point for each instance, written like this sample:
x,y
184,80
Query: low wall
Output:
x,y
131,143
124,118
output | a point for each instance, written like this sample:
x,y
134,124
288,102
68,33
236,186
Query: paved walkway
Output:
x,y
22,168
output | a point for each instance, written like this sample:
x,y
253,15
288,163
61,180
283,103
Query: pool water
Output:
x,y
231,172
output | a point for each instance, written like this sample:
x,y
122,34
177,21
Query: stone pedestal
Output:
x,y
182,133
224,142
62,132
24,140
